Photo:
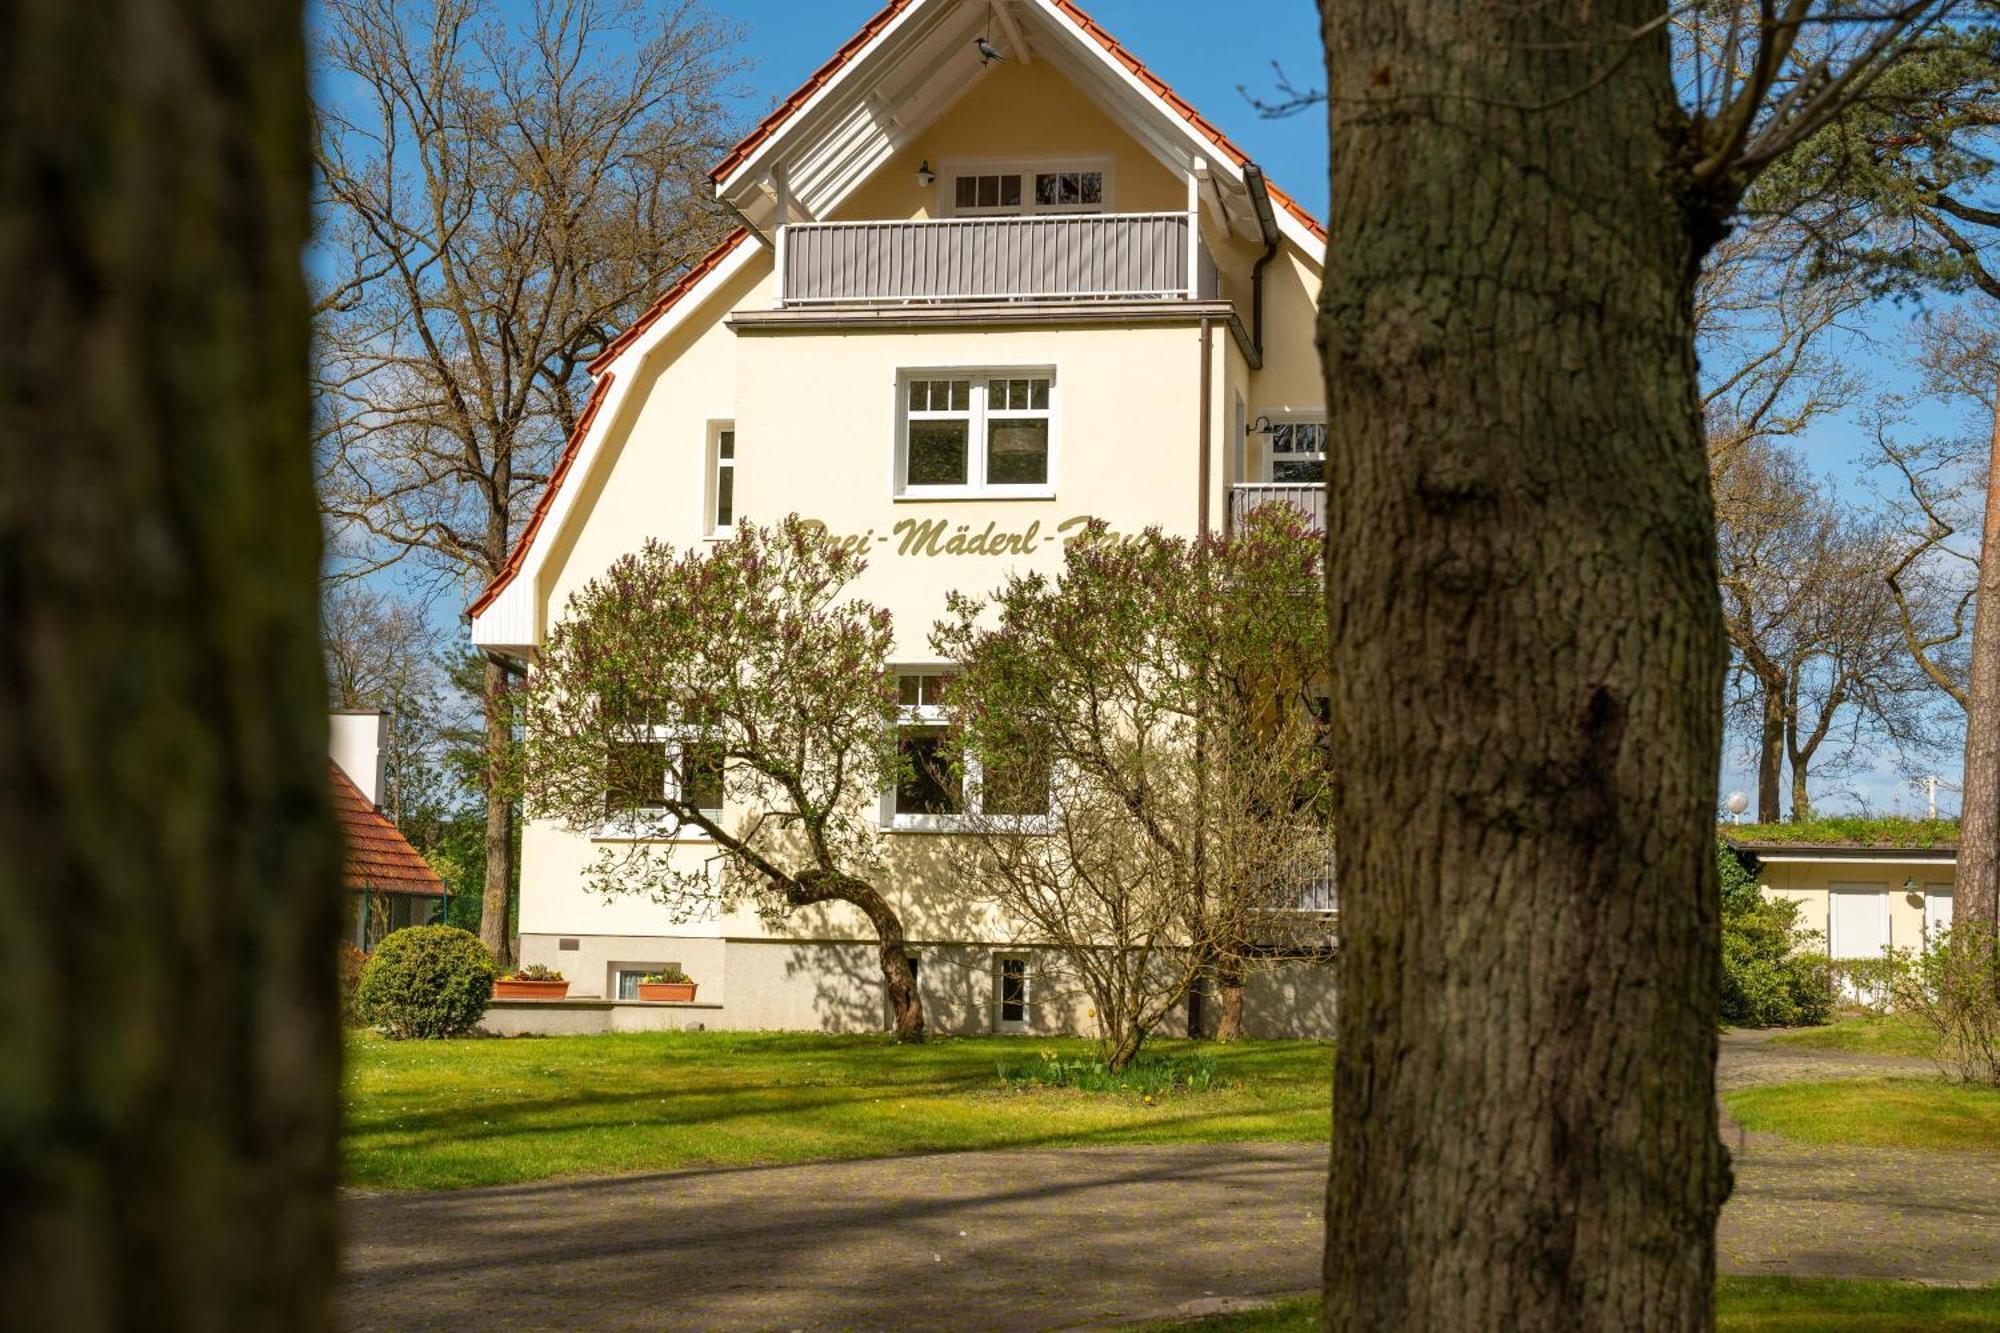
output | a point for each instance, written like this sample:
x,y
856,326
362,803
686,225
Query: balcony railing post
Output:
x,y
778,264
1194,255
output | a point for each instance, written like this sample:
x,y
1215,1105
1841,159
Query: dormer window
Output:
x,y
986,189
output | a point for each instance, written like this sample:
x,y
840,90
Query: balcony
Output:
x,y
1309,498
1097,257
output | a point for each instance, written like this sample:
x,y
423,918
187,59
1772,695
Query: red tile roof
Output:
x,y
600,367
702,268
516,556
379,858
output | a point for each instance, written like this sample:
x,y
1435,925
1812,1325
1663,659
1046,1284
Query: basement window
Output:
x,y
1011,983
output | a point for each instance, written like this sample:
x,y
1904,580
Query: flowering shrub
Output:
x,y
427,981
534,972
672,976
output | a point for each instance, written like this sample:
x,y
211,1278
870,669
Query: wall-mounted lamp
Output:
x,y
1261,426
925,176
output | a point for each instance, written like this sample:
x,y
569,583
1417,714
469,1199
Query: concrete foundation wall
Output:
x,y
836,986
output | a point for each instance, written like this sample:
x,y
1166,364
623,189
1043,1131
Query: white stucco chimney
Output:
x,y
358,740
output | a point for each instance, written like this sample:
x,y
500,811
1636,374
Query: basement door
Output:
x,y
1858,927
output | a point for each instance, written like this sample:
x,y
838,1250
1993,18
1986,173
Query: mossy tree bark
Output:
x,y
169,894
1527,660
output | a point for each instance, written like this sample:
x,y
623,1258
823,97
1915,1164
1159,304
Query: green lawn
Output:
x,y
1875,1034
449,1114
1921,1113
1744,1304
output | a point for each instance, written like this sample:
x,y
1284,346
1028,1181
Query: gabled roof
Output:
x,y
1061,14
770,128
379,859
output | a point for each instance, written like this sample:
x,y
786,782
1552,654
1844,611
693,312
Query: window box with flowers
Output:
x,y
672,985
532,983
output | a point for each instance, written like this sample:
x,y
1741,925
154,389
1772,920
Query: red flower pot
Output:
x,y
680,992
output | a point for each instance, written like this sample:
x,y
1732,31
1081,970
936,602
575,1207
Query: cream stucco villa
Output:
x,y
974,302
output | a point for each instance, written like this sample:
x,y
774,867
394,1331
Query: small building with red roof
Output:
x,y
389,884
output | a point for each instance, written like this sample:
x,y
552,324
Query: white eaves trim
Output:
x,y
758,162
511,622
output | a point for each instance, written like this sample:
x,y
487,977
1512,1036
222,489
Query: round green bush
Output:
x,y
427,981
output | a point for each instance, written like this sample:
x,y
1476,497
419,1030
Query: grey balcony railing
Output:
x,y
1309,498
1065,257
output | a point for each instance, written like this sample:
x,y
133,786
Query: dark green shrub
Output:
x,y
427,981
1772,973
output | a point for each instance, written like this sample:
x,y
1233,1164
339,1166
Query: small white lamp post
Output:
x,y
1737,803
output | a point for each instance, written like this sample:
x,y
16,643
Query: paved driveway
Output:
x,y
1040,1239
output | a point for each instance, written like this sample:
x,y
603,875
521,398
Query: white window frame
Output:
x,y
934,717
1268,464
644,825
1027,168
1001,1023
976,416
712,491
635,971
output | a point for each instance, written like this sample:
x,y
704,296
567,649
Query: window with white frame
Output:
x,y
928,791
937,786
996,189
650,762
986,192
1298,451
722,479
1011,986
976,433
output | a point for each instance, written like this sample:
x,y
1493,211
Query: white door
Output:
x,y
1937,908
1859,920
1858,927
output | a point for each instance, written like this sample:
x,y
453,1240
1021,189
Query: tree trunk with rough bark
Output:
x,y
169,893
899,979
1977,891
494,924
1527,663
1771,754
1229,994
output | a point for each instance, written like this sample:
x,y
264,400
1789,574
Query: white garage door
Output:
x,y
1937,907
1860,924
